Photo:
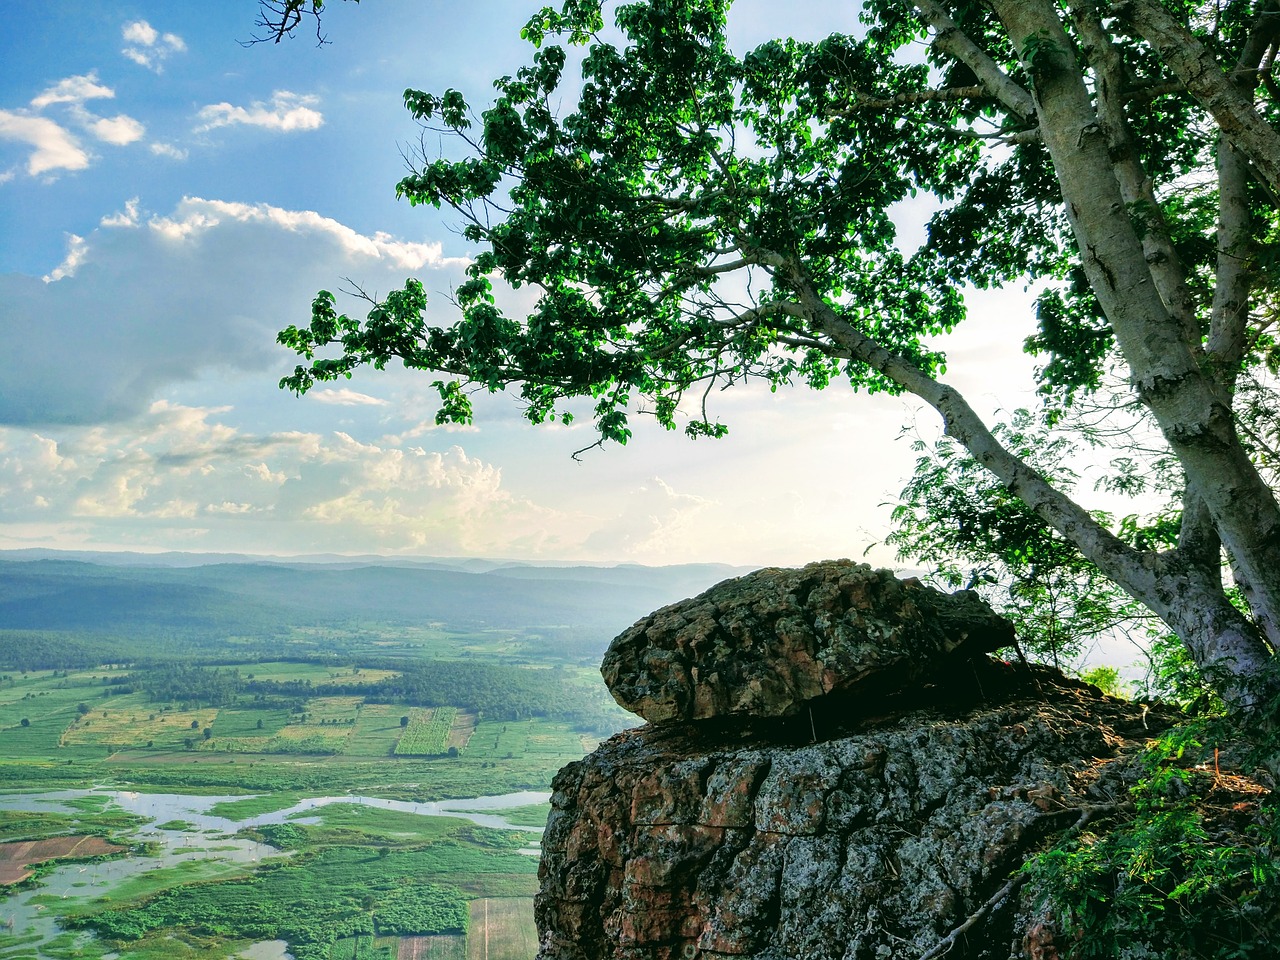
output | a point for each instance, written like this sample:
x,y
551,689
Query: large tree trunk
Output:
x,y
1192,410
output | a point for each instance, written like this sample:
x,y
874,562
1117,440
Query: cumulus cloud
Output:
x,y
202,289
53,146
128,217
148,47
286,112
118,130
182,473
75,89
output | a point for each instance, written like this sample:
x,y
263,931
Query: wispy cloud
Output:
x,y
55,148
76,89
169,150
148,47
346,397
77,250
286,112
195,216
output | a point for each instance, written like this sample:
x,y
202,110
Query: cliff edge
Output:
x,y
834,769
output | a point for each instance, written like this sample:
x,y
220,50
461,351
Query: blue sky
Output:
x,y
169,199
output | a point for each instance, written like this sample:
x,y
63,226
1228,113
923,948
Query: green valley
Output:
x,y
274,760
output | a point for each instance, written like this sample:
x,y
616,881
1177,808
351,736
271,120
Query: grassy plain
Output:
x,y
348,873
501,929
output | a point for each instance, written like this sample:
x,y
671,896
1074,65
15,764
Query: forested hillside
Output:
x,y
50,608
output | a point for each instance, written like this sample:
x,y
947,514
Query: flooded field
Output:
x,y
179,839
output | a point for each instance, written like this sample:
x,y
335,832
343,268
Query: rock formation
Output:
x,y
834,771
767,644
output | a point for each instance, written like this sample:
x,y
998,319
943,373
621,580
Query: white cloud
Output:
x,y
182,475
76,90
118,130
287,112
128,217
148,47
55,148
168,150
140,32
201,290
195,216
77,250
346,397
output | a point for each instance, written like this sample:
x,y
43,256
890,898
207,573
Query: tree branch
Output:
x,y
943,946
1193,63
1136,188
1134,570
864,101
949,38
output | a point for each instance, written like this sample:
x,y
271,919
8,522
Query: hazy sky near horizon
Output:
x,y
170,199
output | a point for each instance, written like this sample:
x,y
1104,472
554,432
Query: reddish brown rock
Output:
x,y
767,644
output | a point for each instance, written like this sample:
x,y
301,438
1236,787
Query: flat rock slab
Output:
x,y
767,644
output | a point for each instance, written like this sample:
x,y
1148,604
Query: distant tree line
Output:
x,y
492,690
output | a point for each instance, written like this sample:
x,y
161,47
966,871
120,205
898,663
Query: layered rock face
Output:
x,y
834,771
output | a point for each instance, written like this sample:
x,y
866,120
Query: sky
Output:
x,y
170,198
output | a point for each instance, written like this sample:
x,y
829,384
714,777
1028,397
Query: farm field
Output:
x,y
286,785
501,929
204,878
375,871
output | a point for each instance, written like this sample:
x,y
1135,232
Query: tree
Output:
x,y
404,721
701,218
281,18
26,722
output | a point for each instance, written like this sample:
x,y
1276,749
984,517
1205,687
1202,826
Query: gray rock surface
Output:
x,y
767,644
835,771
746,840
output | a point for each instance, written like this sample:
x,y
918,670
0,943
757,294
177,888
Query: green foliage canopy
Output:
x,y
700,218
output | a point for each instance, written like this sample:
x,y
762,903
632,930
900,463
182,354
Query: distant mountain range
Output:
x,y
195,594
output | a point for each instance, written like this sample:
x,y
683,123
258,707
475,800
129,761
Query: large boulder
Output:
x,y
896,836
768,644
836,772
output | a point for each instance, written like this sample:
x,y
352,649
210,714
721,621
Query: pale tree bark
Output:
x,y
951,39
1196,66
1136,188
1190,408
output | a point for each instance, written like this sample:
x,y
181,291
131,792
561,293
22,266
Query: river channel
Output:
x,y
202,836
